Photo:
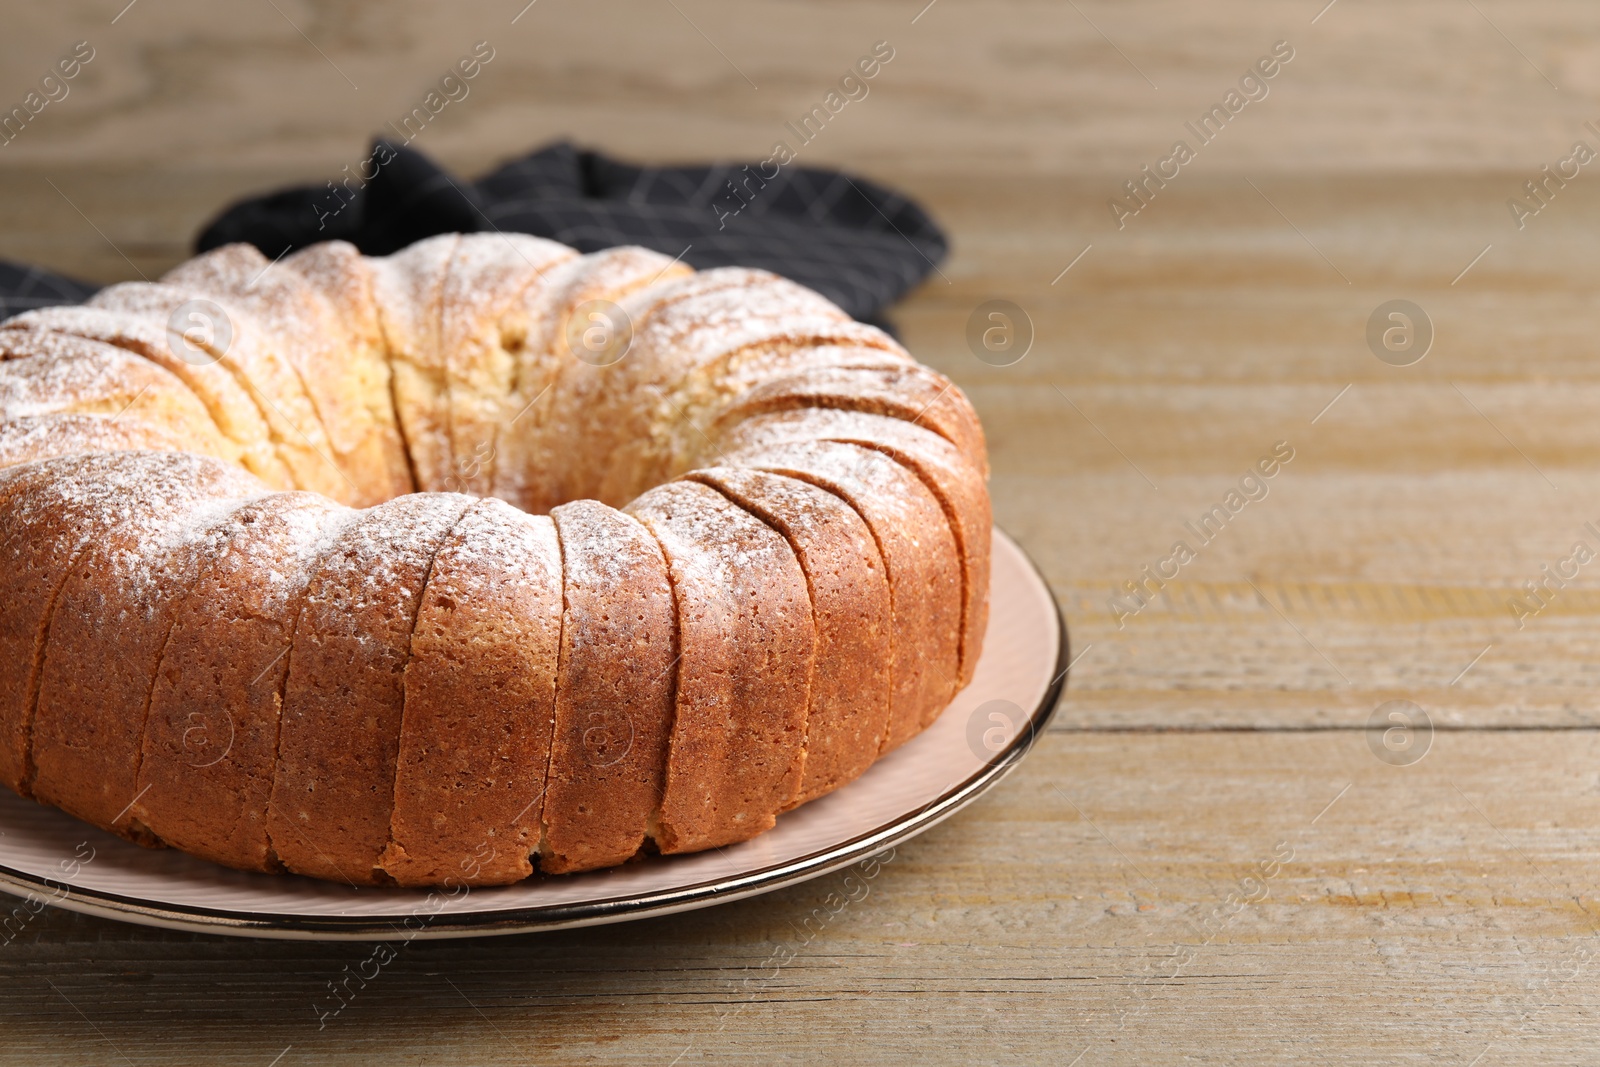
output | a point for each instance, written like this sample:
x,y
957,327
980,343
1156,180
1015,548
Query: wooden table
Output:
x,y
1204,857
1212,856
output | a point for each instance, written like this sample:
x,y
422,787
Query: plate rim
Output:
x,y
602,911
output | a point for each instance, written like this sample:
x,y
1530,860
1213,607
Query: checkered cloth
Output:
x,y
857,243
854,241
25,288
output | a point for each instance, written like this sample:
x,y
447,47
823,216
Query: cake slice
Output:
x,y
306,332
848,714
44,509
232,410
145,541
344,698
919,554
479,702
409,290
243,347
748,646
484,325
211,735
361,394
614,700
952,478
44,373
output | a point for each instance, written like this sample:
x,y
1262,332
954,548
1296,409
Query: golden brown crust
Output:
x,y
307,334
344,697
47,373
233,411
919,553
748,647
139,560
343,275
913,393
211,735
38,437
951,476
847,717
479,699
614,702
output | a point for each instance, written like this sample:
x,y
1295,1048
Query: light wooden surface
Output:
x,y
1097,904
975,88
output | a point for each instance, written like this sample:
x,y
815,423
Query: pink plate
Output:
x,y
49,857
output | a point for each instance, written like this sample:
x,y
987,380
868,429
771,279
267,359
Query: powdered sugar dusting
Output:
x,y
806,510
713,543
287,315
38,385
135,508
32,438
604,547
338,270
376,568
837,424
856,473
496,548
18,342
234,413
102,489
271,542
125,329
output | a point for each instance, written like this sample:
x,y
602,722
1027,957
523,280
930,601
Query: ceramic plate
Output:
x,y
49,857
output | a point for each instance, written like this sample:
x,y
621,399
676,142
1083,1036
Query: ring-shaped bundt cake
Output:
x,y
434,568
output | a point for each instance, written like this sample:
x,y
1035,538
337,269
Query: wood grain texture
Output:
x,y
974,88
1443,911
1430,912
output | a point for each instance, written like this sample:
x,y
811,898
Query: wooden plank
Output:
x,y
1011,86
1110,896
